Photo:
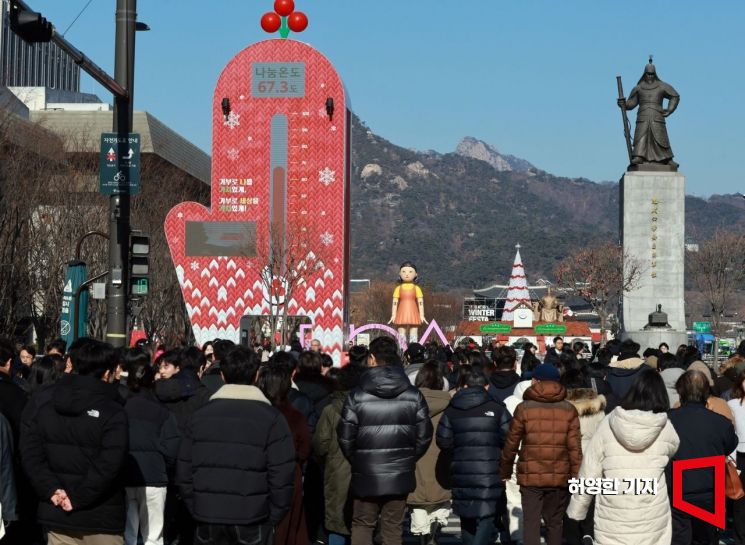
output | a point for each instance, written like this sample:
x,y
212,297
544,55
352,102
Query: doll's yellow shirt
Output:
x,y
397,291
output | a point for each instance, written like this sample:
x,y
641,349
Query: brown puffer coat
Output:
x,y
548,428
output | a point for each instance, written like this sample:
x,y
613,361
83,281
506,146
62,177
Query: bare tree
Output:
x,y
49,198
718,270
290,260
444,307
600,274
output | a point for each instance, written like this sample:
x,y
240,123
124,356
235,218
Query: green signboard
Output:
x,y
77,273
702,327
550,329
496,328
119,164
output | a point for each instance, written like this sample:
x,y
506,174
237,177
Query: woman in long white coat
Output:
x,y
629,452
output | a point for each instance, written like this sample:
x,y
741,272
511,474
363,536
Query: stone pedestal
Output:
x,y
653,232
654,338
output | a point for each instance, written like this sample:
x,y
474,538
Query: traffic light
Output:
x,y
139,264
30,25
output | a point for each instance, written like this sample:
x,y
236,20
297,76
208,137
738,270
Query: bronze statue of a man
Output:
x,y
651,144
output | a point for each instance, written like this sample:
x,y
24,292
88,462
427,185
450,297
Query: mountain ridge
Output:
x,y
459,217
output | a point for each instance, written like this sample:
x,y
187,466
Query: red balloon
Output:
x,y
271,22
298,21
284,7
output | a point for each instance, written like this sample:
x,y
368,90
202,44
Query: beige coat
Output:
x,y
629,445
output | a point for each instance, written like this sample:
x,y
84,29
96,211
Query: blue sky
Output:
x,y
536,79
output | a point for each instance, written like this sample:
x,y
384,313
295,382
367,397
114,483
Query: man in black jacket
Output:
x,y
553,354
179,387
702,433
384,429
474,428
74,452
503,379
236,464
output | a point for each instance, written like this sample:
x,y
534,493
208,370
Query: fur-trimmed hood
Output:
x,y
628,363
587,401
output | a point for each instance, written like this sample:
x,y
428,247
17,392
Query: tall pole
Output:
x,y
118,280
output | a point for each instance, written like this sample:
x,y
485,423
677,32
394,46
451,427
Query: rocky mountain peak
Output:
x,y
478,149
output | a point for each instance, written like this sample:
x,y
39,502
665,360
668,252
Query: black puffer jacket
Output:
x,y
78,443
182,394
384,429
153,441
236,464
474,426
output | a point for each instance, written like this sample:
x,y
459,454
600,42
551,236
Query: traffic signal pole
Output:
x,y
86,64
33,28
117,290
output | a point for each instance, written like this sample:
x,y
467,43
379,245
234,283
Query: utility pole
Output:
x,y
117,291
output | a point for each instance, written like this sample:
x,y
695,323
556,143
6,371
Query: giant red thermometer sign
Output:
x,y
276,234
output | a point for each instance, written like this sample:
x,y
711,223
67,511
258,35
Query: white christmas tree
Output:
x,y
517,291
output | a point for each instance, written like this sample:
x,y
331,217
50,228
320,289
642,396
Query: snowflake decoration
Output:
x,y
194,265
327,239
180,215
233,120
233,154
326,176
333,128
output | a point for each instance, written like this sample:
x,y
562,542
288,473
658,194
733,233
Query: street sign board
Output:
x,y
496,328
119,164
550,329
702,327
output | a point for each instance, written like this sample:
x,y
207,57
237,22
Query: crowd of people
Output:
x,y
229,445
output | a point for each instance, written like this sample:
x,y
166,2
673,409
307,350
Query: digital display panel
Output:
x,y
221,238
278,80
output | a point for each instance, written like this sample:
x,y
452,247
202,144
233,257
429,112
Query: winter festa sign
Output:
x,y
276,237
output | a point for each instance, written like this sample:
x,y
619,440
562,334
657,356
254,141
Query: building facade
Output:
x,y
37,65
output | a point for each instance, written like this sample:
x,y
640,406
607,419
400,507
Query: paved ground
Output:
x,y
451,535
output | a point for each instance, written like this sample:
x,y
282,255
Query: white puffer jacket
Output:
x,y
629,445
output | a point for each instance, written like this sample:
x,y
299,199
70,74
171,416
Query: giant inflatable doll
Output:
x,y
407,311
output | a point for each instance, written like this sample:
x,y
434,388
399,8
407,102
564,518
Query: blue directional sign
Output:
x,y
120,164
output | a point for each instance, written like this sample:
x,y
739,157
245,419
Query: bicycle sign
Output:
x,y
119,163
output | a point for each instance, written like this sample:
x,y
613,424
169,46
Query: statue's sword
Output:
x,y
625,118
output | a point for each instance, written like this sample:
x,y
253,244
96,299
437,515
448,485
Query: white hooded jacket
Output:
x,y
629,445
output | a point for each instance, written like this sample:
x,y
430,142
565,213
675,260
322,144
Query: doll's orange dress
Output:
x,y
407,312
